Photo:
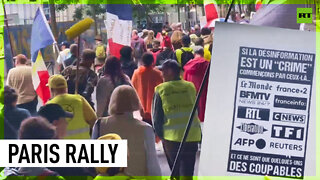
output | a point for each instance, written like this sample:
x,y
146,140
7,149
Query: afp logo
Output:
x,y
304,15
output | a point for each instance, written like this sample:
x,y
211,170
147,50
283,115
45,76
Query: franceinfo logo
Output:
x,y
304,15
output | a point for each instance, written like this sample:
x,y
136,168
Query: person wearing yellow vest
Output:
x,y
172,104
207,37
84,116
184,54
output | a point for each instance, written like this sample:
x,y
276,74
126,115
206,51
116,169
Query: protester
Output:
x,y
144,33
138,46
57,117
184,54
33,128
74,56
156,50
197,30
176,39
84,115
113,77
198,43
144,80
140,136
20,78
127,64
166,53
100,50
194,72
12,114
207,37
63,55
193,38
243,20
149,40
172,103
87,77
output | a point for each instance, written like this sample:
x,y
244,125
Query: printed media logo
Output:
x,y
304,15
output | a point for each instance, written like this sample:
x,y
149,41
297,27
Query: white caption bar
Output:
x,y
63,153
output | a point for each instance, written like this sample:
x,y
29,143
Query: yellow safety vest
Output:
x,y
77,126
178,98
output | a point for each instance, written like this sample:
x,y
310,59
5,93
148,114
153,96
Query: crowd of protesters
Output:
x,y
158,76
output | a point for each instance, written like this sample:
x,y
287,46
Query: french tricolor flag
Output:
x,y
119,27
211,11
41,37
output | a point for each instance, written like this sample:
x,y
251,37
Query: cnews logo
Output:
x,y
304,15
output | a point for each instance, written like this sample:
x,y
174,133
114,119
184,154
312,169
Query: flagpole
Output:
x,y
195,107
8,30
78,64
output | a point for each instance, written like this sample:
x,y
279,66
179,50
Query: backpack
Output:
x,y
138,50
100,51
186,56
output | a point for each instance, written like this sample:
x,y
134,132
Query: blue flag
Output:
x,y
41,35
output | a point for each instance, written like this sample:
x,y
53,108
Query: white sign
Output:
x,y
63,153
260,113
118,30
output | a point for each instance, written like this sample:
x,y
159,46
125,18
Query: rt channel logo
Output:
x,y
304,15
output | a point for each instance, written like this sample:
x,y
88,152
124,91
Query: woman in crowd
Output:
x,y
149,40
12,114
142,159
113,76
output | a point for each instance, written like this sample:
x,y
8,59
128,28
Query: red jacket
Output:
x,y
194,72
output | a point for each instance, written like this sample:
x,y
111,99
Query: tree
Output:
x,y
57,7
93,10
142,11
53,21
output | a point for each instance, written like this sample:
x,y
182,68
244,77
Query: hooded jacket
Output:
x,y
142,159
144,80
194,72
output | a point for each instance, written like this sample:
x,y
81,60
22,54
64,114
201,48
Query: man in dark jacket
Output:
x,y
87,78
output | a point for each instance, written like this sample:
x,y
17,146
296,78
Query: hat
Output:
x,y
57,81
98,37
53,112
111,136
124,99
65,43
